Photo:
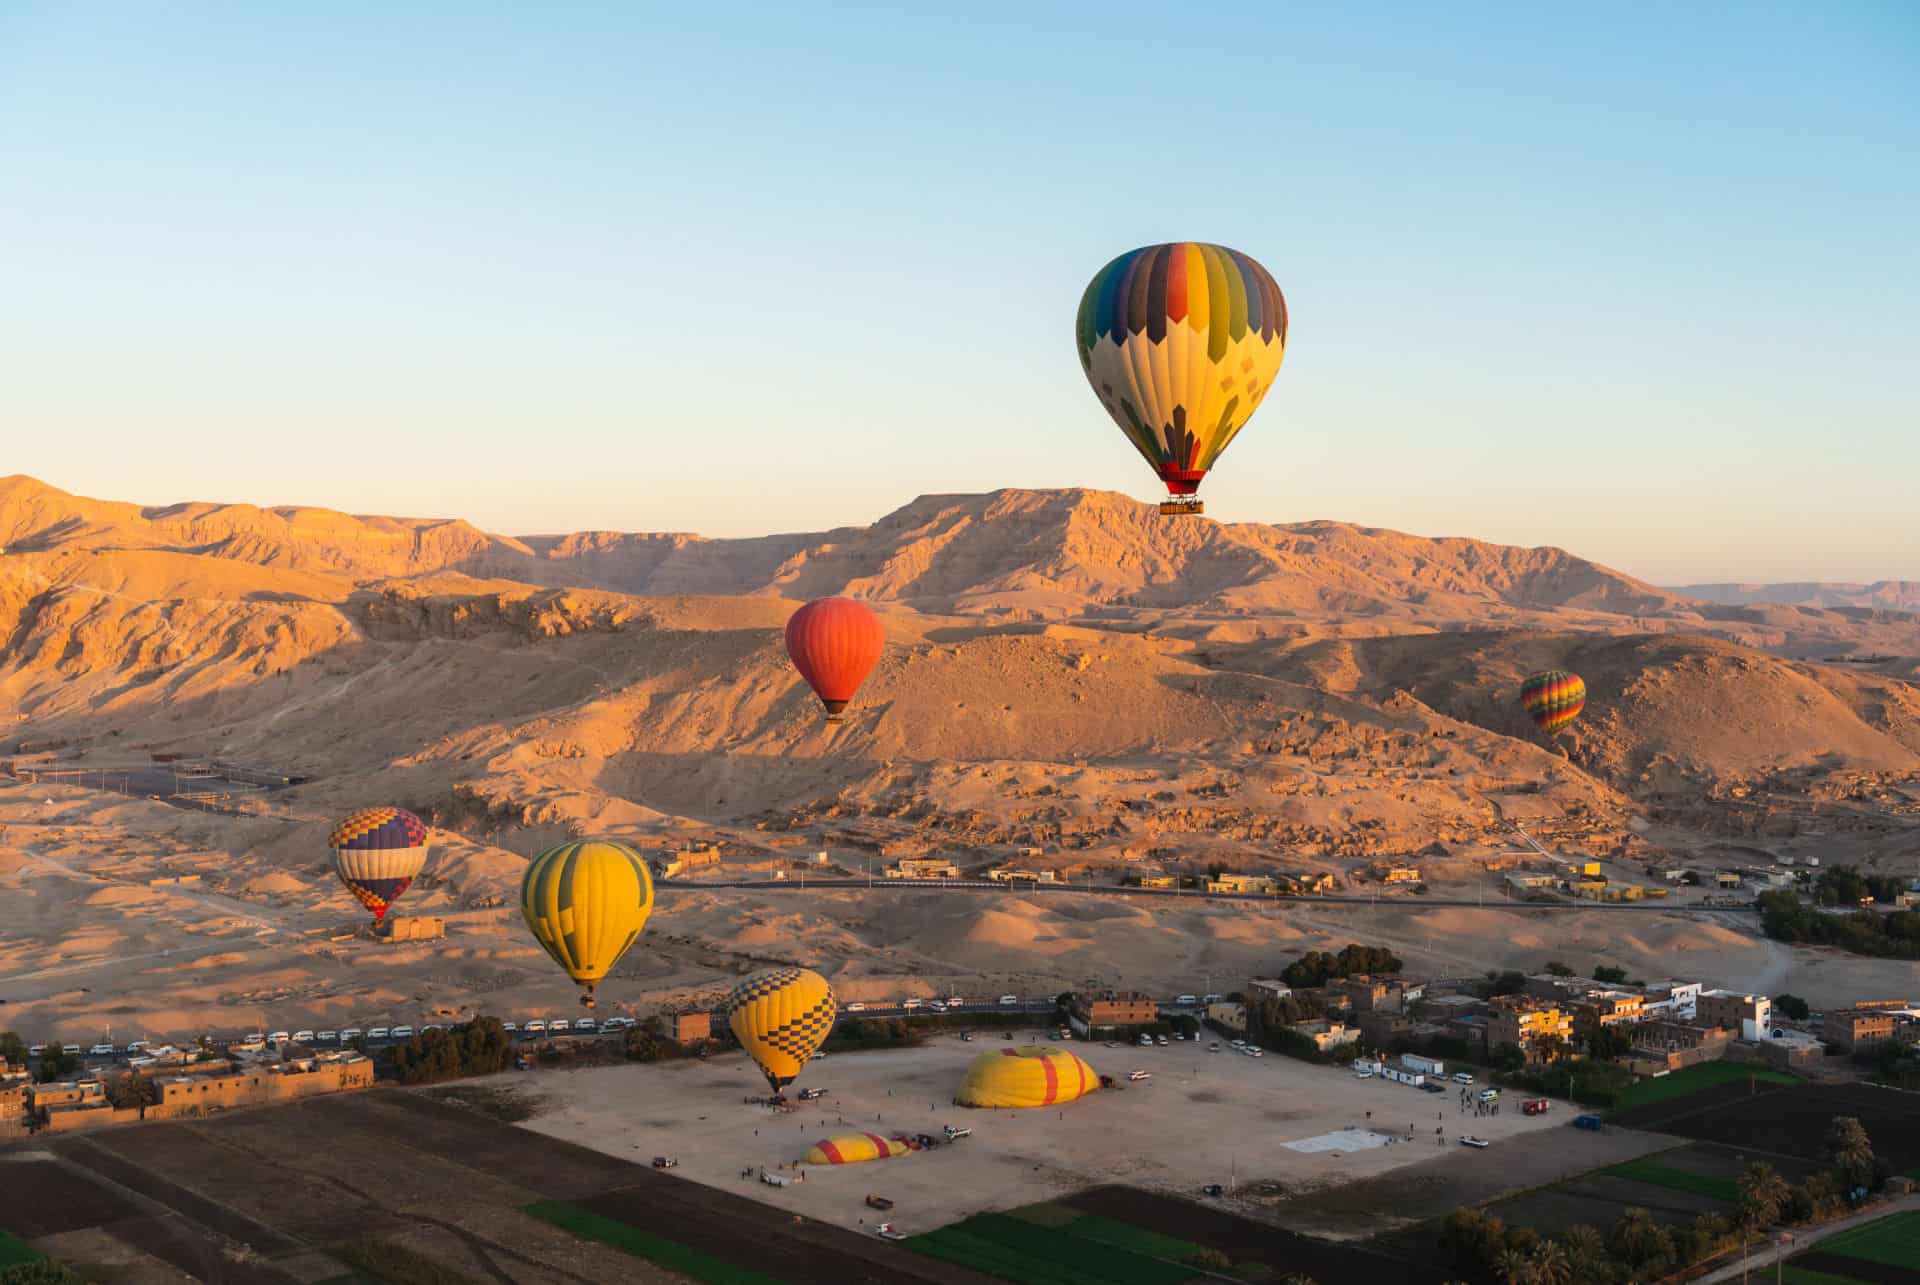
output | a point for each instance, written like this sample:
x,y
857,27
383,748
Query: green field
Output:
x,y
684,1259
1659,1175
1037,1248
1893,1240
1791,1275
14,1251
1692,1079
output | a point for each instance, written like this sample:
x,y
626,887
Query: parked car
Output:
x,y
937,1007
1161,1039
808,1095
967,1036
911,1004
1535,1106
432,1026
100,1050
856,1007
1489,1095
258,1037
1468,1140
1009,999
328,1037
586,1024
37,1050
278,1037
1461,1077
1239,1044
1364,1073
536,1027
957,1131
137,1046
1433,1086
878,1202
1213,998
1137,1076
378,1033
888,1231
664,1162
1186,999
956,1001
350,1034
303,1037
1213,1189
403,1032
1213,1046
1588,1121
509,1027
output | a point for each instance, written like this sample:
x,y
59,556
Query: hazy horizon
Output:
x,y
1642,291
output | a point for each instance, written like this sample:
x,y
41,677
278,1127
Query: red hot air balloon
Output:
x,y
835,643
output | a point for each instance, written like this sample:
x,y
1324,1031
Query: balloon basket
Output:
x,y
1181,508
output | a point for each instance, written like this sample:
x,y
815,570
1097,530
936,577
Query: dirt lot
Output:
x,y
1203,1118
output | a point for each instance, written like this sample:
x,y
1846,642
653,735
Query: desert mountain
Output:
x,y
1881,595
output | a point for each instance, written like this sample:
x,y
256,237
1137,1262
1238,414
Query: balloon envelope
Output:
x,y
835,643
586,903
378,853
781,1017
1553,698
1181,343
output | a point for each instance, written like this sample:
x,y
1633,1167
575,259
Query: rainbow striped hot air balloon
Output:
x,y
378,852
1181,343
1553,698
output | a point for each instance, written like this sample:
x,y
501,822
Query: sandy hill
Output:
x,y
1881,595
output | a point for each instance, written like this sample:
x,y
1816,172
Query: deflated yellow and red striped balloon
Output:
x,y
1553,698
1181,343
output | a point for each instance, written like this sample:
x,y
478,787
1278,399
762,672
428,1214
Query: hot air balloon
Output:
x,y
781,1018
835,643
1553,698
377,852
1181,342
586,903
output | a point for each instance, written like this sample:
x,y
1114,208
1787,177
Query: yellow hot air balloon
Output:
x,y
586,903
781,1018
1181,343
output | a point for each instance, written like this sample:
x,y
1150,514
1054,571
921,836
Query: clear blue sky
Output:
x,y
1640,281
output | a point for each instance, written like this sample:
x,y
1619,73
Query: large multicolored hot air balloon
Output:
x,y
378,852
781,1017
1553,698
586,903
1181,342
835,643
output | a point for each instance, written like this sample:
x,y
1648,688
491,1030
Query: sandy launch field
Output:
x,y
1203,1118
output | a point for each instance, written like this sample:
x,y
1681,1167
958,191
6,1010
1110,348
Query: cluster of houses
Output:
x,y
184,1083
1661,1026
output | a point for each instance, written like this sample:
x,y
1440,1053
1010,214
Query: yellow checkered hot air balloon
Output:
x,y
781,1018
586,903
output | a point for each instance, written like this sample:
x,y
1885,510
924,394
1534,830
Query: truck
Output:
x,y
878,1202
1535,1106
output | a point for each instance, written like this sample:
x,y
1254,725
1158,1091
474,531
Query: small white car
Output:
x,y
100,1050
536,1027
303,1037
1239,1044
258,1037
856,1007
403,1032
351,1034
278,1037
432,1026
1468,1140
1161,1040
328,1037
1213,998
1009,999
508,1027
1461,1077
937,1007
378,1033
585,1024
956,1001
137,1046
1186,999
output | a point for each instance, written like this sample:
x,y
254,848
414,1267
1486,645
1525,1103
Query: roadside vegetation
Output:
x,y
1893,934
479,1047
1638,1247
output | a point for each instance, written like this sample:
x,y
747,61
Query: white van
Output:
x,y
856,1007
403,1032
1186,999
328,1037
351,1034
379,1033
303,1037
536,1027
100,1050
1009,999
911,1004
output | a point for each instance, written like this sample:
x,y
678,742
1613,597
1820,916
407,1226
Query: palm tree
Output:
x,y
1762,1193
1515,1267
1849,1151
1551,1266
1636,1236
1586,1251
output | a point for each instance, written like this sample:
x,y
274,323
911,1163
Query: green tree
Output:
x,y
1473,1239
1557,969
56,1064
1849,1152
1550,1264
1586,1251
43,1272
1762,1194
131,1090
1635,1238
1793,1006
13,1049
1610,974
1515,1267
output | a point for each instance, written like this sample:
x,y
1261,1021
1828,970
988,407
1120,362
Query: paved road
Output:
x,y
1410,902
1761,1263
